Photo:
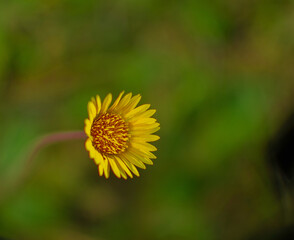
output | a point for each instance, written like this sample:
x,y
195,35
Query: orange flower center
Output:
x,y
110,133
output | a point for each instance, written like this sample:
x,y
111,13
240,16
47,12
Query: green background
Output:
x,y
220,75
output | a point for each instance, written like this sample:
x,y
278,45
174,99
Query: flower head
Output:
x,y
118,136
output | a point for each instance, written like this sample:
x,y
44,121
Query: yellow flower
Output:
x,y
118,136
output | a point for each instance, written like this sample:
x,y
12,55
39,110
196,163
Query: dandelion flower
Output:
x,y
119,135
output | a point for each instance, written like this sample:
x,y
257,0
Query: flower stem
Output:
x,y
19,177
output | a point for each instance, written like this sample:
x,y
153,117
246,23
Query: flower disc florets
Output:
x,y
110,133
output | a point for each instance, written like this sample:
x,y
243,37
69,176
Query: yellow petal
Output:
x,y
98,157
123,166
142,153
122,171
114,167
141,158
93,100
132,159
146,114
88,144
91,111
106,103
123,174
137,110
143,121
106,168
89,147
145,160
116,101
139,132
145,138
130,166
87,127
144,146
98,104
143,126
125,100
132,103
100,169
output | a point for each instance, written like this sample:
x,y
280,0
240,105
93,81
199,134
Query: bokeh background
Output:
x,y
219,73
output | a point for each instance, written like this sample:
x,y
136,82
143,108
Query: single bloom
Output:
x,y
119,135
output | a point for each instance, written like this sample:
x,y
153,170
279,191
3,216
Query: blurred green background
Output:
x,y
219,73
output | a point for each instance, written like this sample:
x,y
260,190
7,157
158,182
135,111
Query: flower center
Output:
x,y
110,133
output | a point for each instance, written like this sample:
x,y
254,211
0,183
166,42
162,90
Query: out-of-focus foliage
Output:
x,y
219,73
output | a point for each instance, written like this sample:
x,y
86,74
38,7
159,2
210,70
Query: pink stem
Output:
x,y
36,147
56,137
